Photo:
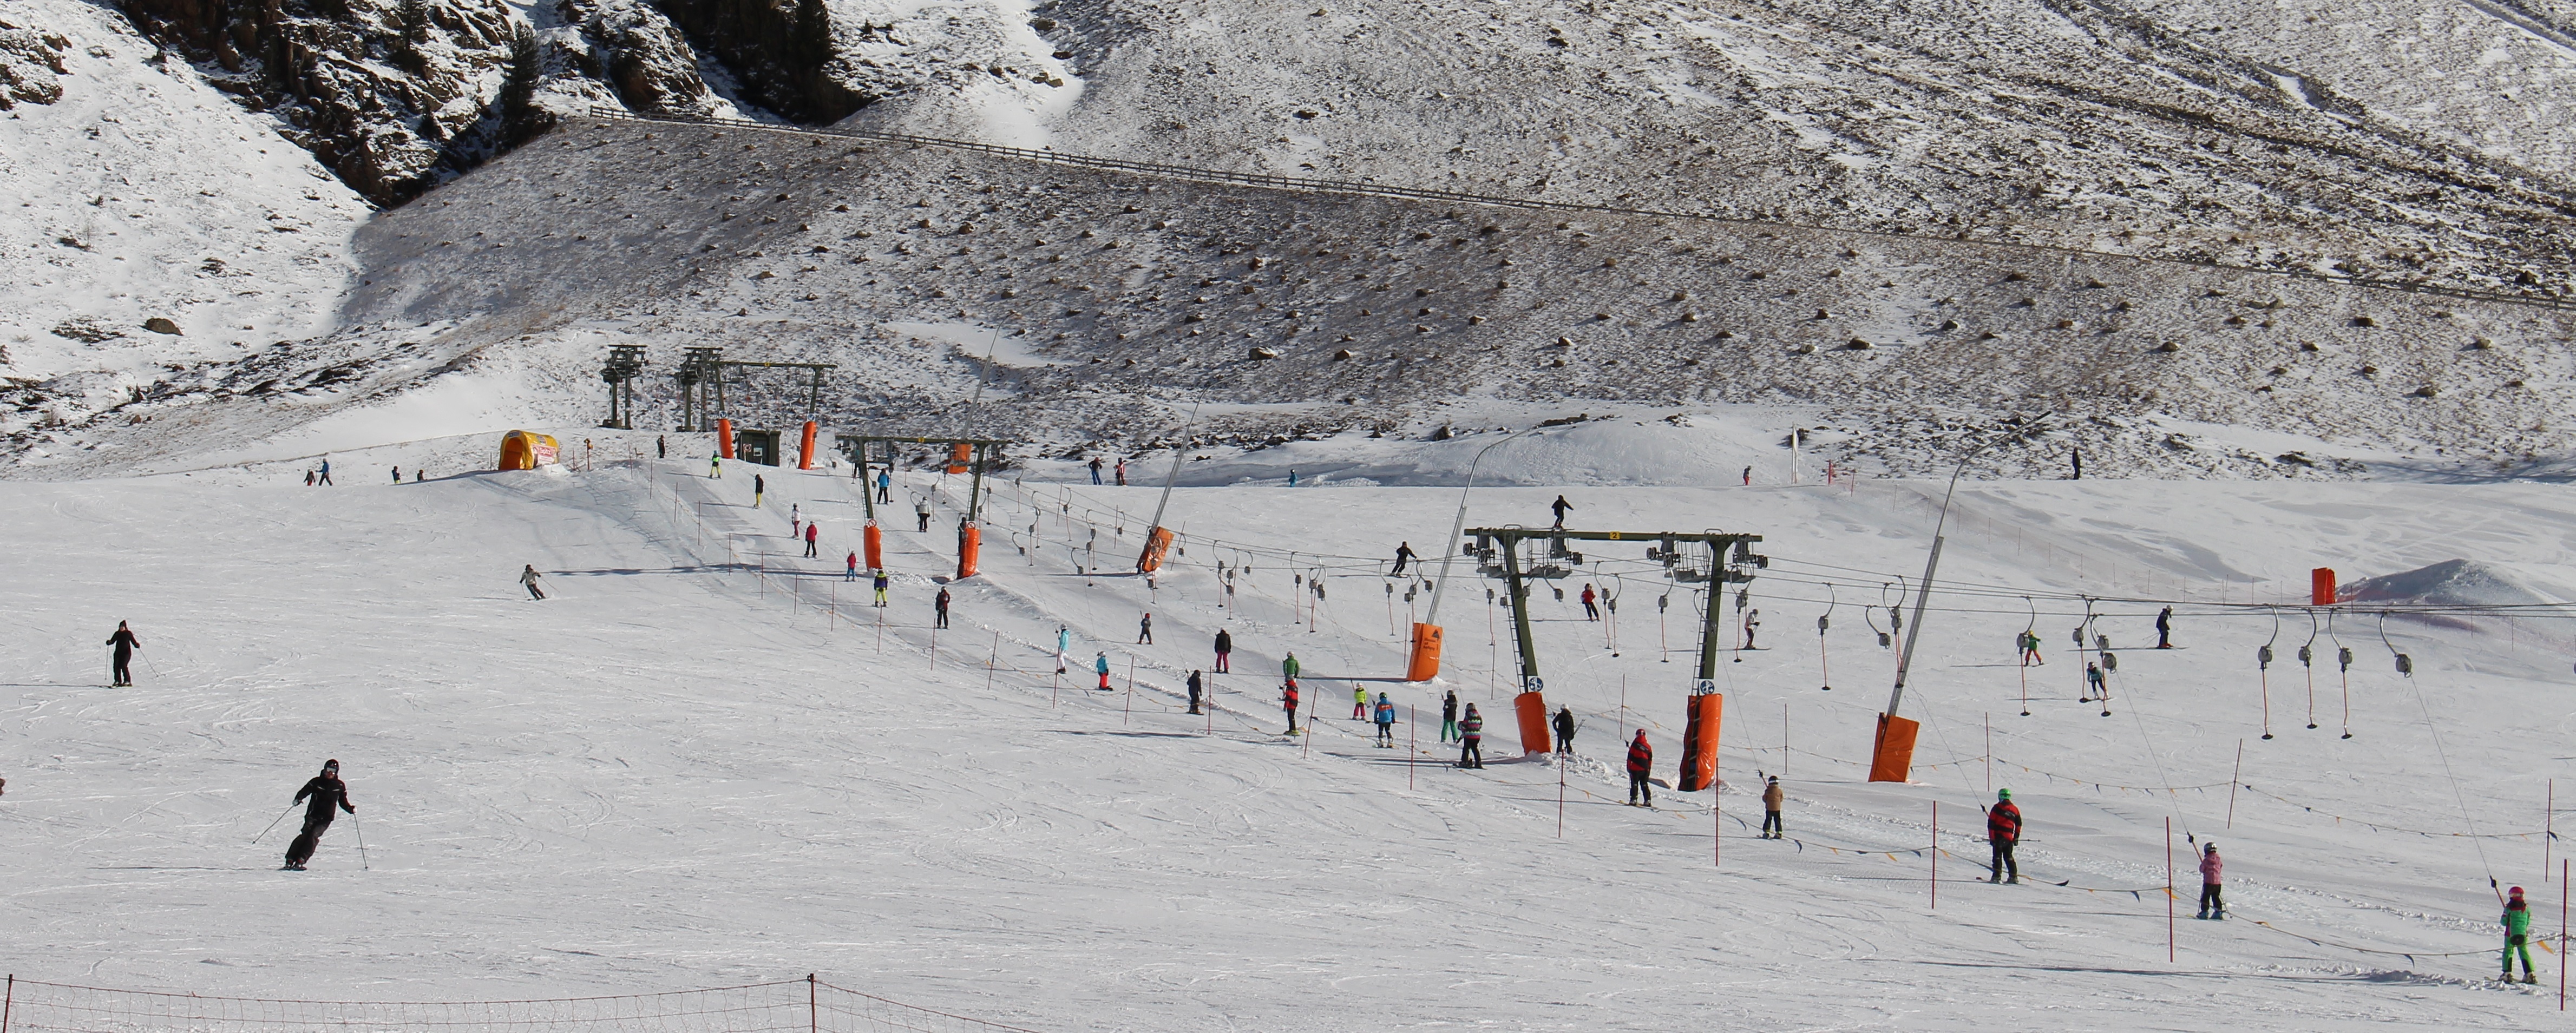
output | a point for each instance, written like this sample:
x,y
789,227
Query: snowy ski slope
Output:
x,y
682,770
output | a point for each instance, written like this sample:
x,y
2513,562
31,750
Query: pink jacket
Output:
x,y
2210,866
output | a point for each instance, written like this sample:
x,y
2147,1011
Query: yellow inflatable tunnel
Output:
x,y
526,450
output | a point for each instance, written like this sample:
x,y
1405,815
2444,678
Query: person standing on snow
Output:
x,y
921,511
1288,699
2094,687
397,475
1359,702
2210,867
326,473
1385,722
809,541
1100,664
1449,716
940,611
878,581
759,485
1095,470
1748,477
1122,471
1641,762
1145,630
1772,799
885,486
330,796
1752,626
528,577
2517,937
2029,643
1224,651
661,447
1560,506
1197,684
118,662
2164,628
1471,739
1403,555
852,574
1565,730
1590,612
715,467
1288,668
2003,832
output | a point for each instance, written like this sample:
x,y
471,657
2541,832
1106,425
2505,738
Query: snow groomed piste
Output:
x,y
695,759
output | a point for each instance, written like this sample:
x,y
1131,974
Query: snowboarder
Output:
x,y
921,511
1752,626
2210,867
1122,471
118,662
810,544
2003,830
1641,762
941,613
852,574
1403,555
1772,797
528,577
1224,651
1385,722
1565,730
326,473
330,796
2029,643
2094,686
885,486
1288,668
878,581
1560,506
1196,685
1449,716
2164,628
1590,611
2517,937
1095,470
759,485
1100,665
1288,700
1471,739
1145,630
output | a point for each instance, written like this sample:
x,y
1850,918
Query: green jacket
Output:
x,y
2517,922
1288,667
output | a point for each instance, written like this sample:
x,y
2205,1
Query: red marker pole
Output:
x,y
2562,935
2169,891
1130,714
1412,745
1560,800
1936,855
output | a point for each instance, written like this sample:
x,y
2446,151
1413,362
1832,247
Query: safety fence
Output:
x,y
1365,189
806,1005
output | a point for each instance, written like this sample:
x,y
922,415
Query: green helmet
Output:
x,y
2003,794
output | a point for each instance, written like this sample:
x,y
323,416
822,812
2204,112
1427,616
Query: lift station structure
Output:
x,y
972,456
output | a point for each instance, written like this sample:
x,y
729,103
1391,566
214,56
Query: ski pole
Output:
x,y
272,825
156,668
361,830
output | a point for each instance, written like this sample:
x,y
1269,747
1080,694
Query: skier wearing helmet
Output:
x,y
2003,830
2517,937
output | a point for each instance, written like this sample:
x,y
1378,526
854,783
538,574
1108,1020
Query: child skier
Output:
x,y
1449,716
1145,631
1288,701
1385,721
1359,703
1196,685
853,573
1100,664
1772,798
2029,643
2210,867
879,582
2517,937
1471,739
1063,648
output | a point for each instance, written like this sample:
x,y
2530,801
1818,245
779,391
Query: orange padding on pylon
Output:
x,y
1699,742
1423,664
958,454
1157,542
2321,586
724,438
1534,733
805,449
970,541
1891,758
875,539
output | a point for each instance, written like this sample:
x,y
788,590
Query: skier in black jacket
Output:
x,y
1565,730
125,644
327,792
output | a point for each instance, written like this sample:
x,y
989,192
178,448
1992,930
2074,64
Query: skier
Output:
x,y
1471,739
1748,477
1449,716
885,486
125,644
878,581
1560,506
1772,797
2164,628
1122,471
528,577
329,796
715,467
1100,664
921,511
2003,830
1145,630
1095,470
2029,643
326,473
1224,651
1196,684
397,475
2094,686
1385,722
2210,866
852,574
941,602
809,541
2077,457
1641,762
1063,648
661,447
759,485
1288,700
1590,612
1752,626
795,515
1403,555
1288,668
1565,730
2517,937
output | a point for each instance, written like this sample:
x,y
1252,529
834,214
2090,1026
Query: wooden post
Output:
x,y
2169,891
1130,716
1412,741
813,1013
1936,855
2562,939
2549,829
2233,778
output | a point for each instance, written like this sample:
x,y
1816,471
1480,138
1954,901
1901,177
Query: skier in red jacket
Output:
x,y
2003,830
1641,761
